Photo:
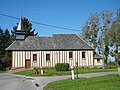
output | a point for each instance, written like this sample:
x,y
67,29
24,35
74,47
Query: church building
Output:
x,y
37,51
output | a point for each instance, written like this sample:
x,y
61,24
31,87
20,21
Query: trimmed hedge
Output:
x,y
62,67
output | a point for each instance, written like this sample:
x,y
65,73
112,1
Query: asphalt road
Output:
x,y
17,82
12,82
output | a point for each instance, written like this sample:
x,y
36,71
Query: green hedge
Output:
x,y
62,66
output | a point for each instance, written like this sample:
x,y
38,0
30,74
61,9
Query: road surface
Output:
x,y
17,82
12,82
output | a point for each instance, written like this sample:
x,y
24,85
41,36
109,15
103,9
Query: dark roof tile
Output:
x,y
58,41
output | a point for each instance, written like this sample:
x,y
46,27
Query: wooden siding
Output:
x,y
19,57
100,63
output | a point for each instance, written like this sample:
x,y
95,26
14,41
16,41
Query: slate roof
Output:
x,y
97,56
56,42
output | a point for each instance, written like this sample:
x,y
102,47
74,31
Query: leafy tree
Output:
x,y
95,32
27,27
106,20
5,41
1,41
8,59
114,34
90,30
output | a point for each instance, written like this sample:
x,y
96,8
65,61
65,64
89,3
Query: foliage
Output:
x,y
5,40
106,17
5,61
90,30
109,82
62,66
102,31
8,59
114,34
2,63
27,27
112,64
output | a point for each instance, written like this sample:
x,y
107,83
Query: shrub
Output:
x,y
62,66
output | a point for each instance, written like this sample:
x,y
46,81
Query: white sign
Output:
x,y
118,49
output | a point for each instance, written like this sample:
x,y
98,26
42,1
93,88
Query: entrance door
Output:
x,y
27,64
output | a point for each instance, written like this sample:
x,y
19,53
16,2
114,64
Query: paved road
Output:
x,y
17,82
12,82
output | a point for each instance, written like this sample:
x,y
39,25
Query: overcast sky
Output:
x,y
64,13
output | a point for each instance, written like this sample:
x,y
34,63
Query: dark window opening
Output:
x,y
34,57
98,60
47,57
70,54
83,54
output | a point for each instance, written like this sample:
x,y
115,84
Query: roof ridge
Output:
x,y
64,34
10,45
84,40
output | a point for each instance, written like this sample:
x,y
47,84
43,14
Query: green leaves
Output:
x,y
90,30
5,40
102,31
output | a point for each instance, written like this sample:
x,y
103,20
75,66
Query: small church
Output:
x,y
37,51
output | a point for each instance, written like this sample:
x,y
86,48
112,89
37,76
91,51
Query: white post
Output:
x,y
41,71
118,70
72,71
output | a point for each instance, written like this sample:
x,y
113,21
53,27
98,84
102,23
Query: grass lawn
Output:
x,y
53,72
2,71
110,82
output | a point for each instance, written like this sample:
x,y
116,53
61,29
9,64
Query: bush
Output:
x,y
62,66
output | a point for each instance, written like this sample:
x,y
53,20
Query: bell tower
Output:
x,y
20,32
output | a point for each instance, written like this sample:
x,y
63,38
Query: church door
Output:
x,y
27,64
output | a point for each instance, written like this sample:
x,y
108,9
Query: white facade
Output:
x,y
20,57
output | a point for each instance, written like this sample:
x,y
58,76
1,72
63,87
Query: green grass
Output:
x,y
3,71
110,82
53,72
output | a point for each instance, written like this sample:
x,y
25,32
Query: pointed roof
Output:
x,y
20,25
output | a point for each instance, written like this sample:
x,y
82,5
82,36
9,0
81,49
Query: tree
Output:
x,y
106,20
114,34
95,32
90,30
5,41
27,27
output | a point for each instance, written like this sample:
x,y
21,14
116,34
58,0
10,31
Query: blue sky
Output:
x,y
65,13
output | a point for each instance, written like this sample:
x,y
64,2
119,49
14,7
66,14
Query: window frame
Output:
x,y
98,60
34,57
47,57
70,55
83,54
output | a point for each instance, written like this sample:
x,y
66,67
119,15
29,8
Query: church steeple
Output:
x,y
20,25
20,32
